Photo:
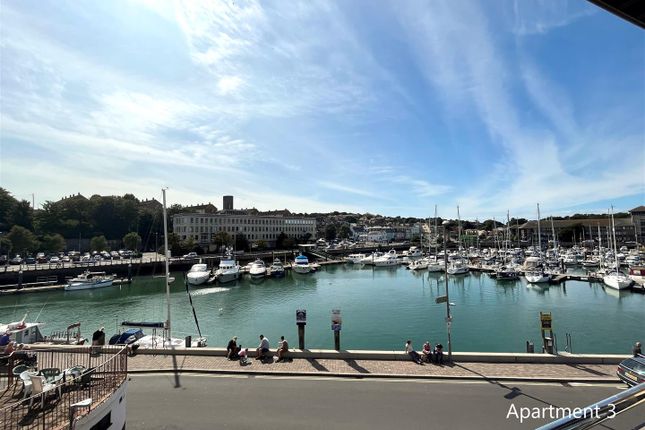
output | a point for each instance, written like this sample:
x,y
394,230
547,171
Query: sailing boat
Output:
x,y
138,338
434,265
538,275
616,279
458,266
507,273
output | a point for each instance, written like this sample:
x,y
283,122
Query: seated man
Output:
x,y
263,348
438,352
412,353
427,351
283,347
232,350
5,339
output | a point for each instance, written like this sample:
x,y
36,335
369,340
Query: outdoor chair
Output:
x,y
25,377
52,375
17,370
86,377
39,386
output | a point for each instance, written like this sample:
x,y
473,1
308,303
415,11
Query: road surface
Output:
x,y
248,401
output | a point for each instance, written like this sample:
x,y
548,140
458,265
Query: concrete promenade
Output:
x,y
366,368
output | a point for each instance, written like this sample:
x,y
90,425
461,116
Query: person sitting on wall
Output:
x,y
438,353
412,353
244,357
283,347
232,349
98,337
5,339
263,348
427,351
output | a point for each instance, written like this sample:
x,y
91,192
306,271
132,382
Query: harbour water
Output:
x,y
381,308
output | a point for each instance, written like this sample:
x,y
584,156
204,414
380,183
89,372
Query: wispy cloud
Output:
x,y
535,17
350,190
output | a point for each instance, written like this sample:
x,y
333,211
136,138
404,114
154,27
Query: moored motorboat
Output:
x,y
90,280
228,270
419,264
355,258
537,276
198,274
276,270
301,265
258,269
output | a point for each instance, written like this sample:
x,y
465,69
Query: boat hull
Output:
x,y
302,269
223,278
616,282
73,286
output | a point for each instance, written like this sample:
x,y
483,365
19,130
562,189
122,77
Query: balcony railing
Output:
x,y
88,373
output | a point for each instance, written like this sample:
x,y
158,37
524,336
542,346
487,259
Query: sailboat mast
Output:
x,y
436,238
600,247
613,230
166,257
539,233
459,229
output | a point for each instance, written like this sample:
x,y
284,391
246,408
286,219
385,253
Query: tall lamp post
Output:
x,y
445,263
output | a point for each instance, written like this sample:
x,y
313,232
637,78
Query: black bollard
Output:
x,y
129,272
20,279
337,340
301,336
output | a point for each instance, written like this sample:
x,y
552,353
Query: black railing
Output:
x,y
91,374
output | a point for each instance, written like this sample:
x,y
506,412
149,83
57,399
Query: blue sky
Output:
x,y
386,107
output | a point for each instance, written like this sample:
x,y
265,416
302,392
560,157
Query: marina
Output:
x,y
381,306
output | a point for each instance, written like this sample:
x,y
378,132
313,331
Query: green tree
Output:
x,y
222,238
7,203
279,241
5,246
262,244
132,241
241,242
22,240
98,243
188,245
344,231
22,214
53,243
330,232
289,243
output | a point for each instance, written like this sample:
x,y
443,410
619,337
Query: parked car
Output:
x,y
66,259
54,260
30,260
191,255
41,258
3,260
632,370
105,255
16,260
115,255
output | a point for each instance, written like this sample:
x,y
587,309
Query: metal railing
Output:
x,y
595,414
105,370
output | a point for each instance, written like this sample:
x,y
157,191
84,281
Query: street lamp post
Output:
x,y
445,263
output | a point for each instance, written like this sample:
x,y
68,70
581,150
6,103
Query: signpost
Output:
x,y
301,322
336,325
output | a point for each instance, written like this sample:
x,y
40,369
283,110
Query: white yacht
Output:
x,y
419,264
369,259
389,259
617,280
227,271
276,270
301,265
537,276
257,269
355,258
435,265
198,274
458,267
90,280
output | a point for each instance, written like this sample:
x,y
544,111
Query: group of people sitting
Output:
x,y
235,351
428,354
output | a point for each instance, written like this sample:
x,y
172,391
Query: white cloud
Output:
x,y
534,17
350,190
229,84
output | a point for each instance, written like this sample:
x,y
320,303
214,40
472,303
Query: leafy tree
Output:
x,y
132,241
241,242
5,246
279,241
53,243
174,244
98,243
344,232
22,214
330,232
305,237
289,243
7,203
189,244
222,238
262,244
22,240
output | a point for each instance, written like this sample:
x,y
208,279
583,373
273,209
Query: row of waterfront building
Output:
x,y
203,223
